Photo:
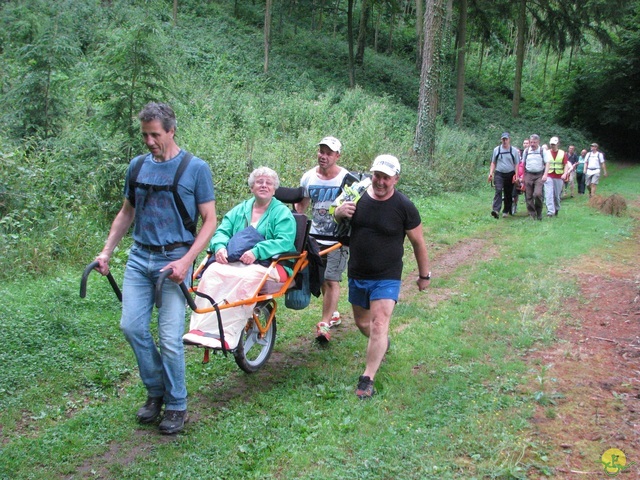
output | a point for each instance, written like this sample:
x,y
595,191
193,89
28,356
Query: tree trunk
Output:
x,y
362,31
424,143
419,31
517,84
570,59
321,15
175,12
267,34
377,31
544,70
336,10
555,78
352,69
462,48
392,24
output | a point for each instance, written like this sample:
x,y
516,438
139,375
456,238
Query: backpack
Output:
x,y
513,158
188,222
588,156
525,154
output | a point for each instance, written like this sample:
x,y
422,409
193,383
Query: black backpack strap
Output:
x,y
188,222
513,158
137,165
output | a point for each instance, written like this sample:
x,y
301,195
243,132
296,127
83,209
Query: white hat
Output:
x,y
387,164
554,141
332,142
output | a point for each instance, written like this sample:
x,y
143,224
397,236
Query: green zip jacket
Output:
x,y
276,225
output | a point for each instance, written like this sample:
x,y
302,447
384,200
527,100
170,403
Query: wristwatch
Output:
x,y
428,277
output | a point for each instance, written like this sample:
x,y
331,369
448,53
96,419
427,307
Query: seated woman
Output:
x,y
227,282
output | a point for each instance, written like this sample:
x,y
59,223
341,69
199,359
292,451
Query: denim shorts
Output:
x,y
362,292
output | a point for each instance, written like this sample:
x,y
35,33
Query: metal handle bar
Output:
x,y
87,271
185,290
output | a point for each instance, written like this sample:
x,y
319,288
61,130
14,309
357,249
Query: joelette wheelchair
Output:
x,y
258,337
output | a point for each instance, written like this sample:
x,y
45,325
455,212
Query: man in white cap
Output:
x,y
594,162
379,224
559,170
321,187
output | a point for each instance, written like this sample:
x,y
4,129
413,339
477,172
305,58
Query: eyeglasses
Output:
x,y
268,183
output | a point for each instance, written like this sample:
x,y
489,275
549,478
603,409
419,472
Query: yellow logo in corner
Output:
x,y
614,461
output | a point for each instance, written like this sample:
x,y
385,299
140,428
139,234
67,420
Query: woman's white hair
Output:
x,y
264,172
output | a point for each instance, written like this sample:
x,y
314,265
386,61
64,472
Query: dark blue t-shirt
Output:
x,y
157,219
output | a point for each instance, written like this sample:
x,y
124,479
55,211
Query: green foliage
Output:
x,y
35,101
603,98
130,72
229,112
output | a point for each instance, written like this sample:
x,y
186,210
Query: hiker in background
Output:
x,y
504,164
556,176
594,162
580,172
572,157
380,220
164,238
321,187
535,174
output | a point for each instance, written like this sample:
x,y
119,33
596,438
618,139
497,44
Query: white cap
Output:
x,y
387,164
332,142
554,141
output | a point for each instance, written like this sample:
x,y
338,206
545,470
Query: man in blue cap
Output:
x,y
504,164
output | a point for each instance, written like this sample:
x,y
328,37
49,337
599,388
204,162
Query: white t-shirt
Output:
x,y
322,193
593,162
535,160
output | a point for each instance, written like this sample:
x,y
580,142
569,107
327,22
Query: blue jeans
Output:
x,y
162,367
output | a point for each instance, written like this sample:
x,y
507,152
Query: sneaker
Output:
x,y
494,214
173,421
335,320
150,410
322,332
505,215
365,389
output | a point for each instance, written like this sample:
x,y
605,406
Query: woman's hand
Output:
x,y
221,256
248,257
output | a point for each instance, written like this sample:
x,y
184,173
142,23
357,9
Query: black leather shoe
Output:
x,y
173,421
150,410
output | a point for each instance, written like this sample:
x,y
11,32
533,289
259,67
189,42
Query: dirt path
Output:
x,y
596,367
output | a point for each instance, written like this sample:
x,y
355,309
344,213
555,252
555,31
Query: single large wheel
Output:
x,y
252,351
